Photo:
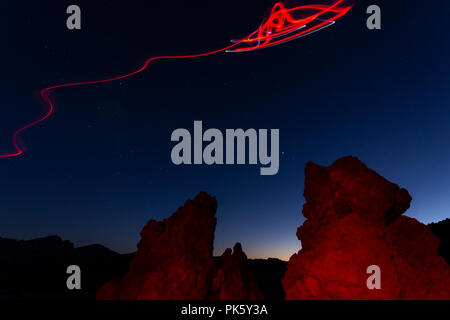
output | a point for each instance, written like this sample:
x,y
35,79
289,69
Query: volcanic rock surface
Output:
x,y
174,261
354,221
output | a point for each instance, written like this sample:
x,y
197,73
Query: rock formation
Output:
x,y
354,221
175,261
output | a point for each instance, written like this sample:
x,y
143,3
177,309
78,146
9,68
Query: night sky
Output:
x,y
100,168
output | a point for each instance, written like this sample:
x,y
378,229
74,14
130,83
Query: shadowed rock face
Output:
x,y
233,279
442,230
174,261
354,221
268,275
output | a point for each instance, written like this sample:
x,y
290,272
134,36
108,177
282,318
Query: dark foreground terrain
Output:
x,y
36,269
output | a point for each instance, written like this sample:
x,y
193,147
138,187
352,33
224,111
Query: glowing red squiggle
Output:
x,y
279,25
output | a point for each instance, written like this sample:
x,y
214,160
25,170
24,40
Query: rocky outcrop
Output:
x,y
174,261
354,221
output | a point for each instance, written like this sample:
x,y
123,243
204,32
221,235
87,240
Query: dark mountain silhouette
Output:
x,y
37,268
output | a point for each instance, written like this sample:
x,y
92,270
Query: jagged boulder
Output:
x,y
174,261
353,222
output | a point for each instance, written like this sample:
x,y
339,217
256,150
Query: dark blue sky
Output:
x,y
100,168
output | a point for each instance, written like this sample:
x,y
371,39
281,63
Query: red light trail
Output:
x,y
280,26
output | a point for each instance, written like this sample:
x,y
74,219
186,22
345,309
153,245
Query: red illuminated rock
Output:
x,y
174,261
353,221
